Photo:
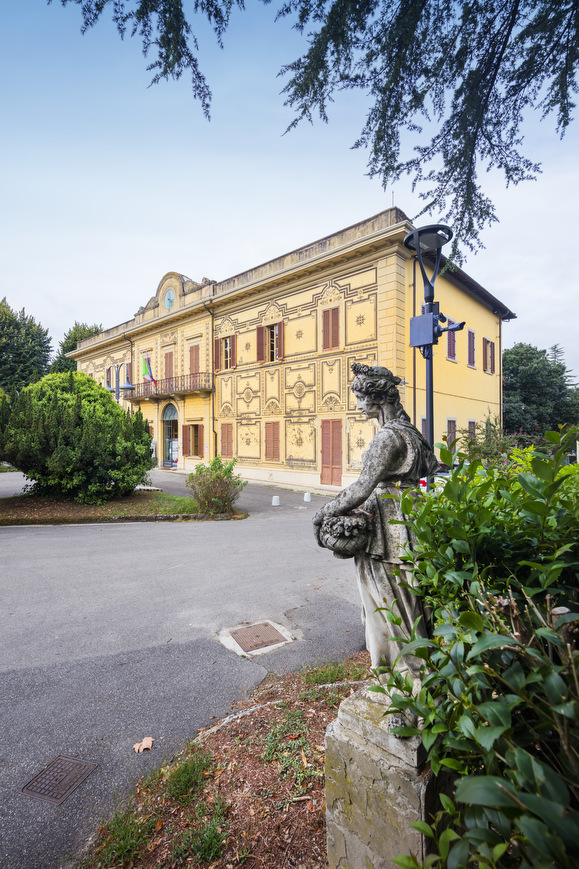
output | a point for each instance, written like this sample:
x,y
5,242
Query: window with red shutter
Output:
x,y
260,343
227,440
451,342
471,348
330,328
169,364
186,438
272,441
331,452
217,354
194,362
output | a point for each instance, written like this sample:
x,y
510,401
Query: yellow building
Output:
x,y
258,366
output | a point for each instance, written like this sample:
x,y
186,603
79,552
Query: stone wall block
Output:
x,y
376,786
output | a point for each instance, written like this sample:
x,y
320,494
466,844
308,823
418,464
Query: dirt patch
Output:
x,y
264,791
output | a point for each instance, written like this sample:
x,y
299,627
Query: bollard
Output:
x,y
307,497
275,501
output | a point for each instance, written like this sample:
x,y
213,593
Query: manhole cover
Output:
x,y
59,779
257,637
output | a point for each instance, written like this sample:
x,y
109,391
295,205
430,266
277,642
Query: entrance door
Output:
x,y
331,452
170,437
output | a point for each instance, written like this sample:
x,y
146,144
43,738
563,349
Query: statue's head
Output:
x,y
380,384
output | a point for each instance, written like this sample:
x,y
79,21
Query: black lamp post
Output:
x,y
425,330
128,386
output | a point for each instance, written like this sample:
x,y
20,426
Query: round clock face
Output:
x,y
169,299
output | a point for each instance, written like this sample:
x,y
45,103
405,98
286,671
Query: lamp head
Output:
x,y
425,238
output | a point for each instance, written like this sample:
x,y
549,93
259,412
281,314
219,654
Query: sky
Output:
x,y
107,184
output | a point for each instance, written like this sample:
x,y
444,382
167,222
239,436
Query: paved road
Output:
x,y
108,635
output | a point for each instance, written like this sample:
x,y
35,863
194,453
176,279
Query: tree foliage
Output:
x,y
537,392
25,348
496,561
69,342
450,80
67,434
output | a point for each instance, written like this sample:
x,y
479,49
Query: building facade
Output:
x,y
258,366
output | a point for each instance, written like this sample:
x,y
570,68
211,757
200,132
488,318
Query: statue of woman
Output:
x,y
398,454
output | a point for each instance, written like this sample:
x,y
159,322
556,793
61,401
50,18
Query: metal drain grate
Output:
x,y
257,637
59,779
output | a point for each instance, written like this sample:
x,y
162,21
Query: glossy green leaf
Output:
x,y
485,790
490,641
424,828
488,735
471,620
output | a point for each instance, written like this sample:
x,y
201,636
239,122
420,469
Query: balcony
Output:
x,y
173,386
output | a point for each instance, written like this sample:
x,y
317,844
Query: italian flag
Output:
x,y
147,371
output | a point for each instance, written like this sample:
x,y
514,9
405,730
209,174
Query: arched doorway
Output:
x,y
170,437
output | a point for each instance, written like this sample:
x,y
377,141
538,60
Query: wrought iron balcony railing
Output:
x,y
186,383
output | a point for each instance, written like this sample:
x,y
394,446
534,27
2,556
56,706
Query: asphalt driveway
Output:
x,y
109,634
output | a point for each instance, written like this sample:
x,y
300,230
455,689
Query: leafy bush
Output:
x,y
215,487
497,560
68,435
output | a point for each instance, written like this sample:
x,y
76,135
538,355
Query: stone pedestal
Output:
x,y
376,786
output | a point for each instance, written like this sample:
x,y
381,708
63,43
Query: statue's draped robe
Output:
x,y
377,581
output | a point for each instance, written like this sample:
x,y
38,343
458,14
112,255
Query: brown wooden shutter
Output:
x,y
451,342
335,312
336,452
492,354
194,359
485,355
169,364
227,440
331,452
268,441
130,372
260,341
186,434
217,355
280,340
234,351
201,450
471,347
326,329
272,441
326,477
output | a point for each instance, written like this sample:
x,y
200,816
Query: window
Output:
x,y
471,348
488,356
472,429
194,359
330,328
451,434
169,364
225,353
423,427
451,342
331,452
270,342
272,441
193,440
227,440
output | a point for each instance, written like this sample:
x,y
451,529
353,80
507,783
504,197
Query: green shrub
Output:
x,y
215,487
67,434
497,560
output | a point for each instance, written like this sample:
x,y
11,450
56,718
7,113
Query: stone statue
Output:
x,y
357,522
